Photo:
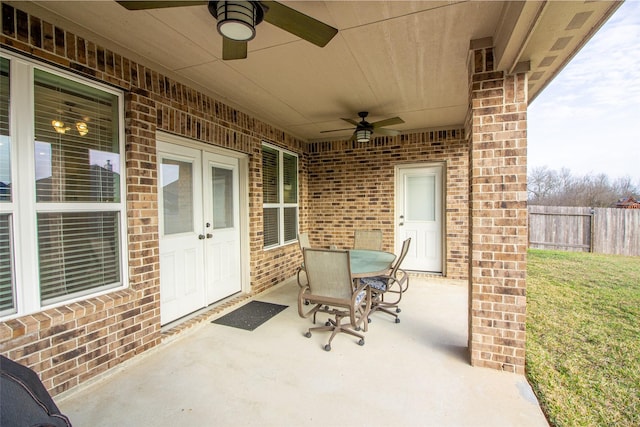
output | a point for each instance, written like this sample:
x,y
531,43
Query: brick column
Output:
x,y
497,126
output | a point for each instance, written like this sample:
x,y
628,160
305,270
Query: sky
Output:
x,y
588,118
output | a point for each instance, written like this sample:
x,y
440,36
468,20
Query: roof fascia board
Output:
x,y
517,24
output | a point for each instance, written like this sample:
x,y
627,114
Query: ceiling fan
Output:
x,y
364,129
237,21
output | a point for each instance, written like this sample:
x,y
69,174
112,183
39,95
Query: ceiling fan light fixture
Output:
x,y
363,135
59,126
237,19
82,128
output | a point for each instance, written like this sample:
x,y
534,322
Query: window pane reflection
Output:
x,y
290,178
420,198
222,197
177,196
5,142
76,149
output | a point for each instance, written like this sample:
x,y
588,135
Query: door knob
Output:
x,y
201,236
401,224
209,235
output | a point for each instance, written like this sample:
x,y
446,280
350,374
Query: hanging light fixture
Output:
x,y
59,127
237,19
82,128
363,134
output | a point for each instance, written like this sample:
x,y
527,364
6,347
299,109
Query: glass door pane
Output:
x,y
177,196
222,188
420,198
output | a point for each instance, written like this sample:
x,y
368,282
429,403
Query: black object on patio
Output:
x,y
24,401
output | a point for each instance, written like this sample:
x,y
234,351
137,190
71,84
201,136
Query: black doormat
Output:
x,y
251,315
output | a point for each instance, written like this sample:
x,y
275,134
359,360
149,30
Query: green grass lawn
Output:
x,y
583,337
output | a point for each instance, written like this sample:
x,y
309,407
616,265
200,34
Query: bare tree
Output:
x,y
561,188
625,185
538,183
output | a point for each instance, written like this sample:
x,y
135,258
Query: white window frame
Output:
x,y
23,206
281,205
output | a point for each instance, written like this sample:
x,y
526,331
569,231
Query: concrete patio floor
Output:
x,y
414,373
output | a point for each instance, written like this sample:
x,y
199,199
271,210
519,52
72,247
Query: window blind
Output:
x,y
270,175
270,226
76,130
7,302
290,178
5,142
280,196
77,162
290,224
4,96
78,252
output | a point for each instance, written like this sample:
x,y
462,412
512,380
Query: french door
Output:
x,y
199,229
419,216
222,228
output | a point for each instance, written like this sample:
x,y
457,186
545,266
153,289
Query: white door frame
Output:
x,y
243,188
400,170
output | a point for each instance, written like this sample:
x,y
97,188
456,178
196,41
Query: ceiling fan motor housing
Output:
x,y
364,124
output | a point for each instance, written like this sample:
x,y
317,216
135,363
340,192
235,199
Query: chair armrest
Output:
x,y
304,290
404,280
298,276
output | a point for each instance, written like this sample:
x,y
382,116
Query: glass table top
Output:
x,y
370,263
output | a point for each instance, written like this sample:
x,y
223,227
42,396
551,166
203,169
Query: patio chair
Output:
x,y
391,285
368,239
330,289
303,242
301,275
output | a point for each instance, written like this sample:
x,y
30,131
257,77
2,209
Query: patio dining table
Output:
x,y
367,263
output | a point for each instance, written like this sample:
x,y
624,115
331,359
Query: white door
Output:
x,y
419,216
199,229
180,221
222,226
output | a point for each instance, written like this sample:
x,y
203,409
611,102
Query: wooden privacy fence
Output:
x,y
601,230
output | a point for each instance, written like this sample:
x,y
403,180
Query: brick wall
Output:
x,y
73,343
498,215
352,185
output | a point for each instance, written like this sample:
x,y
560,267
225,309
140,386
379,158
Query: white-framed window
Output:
x,y
280,196
62,200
